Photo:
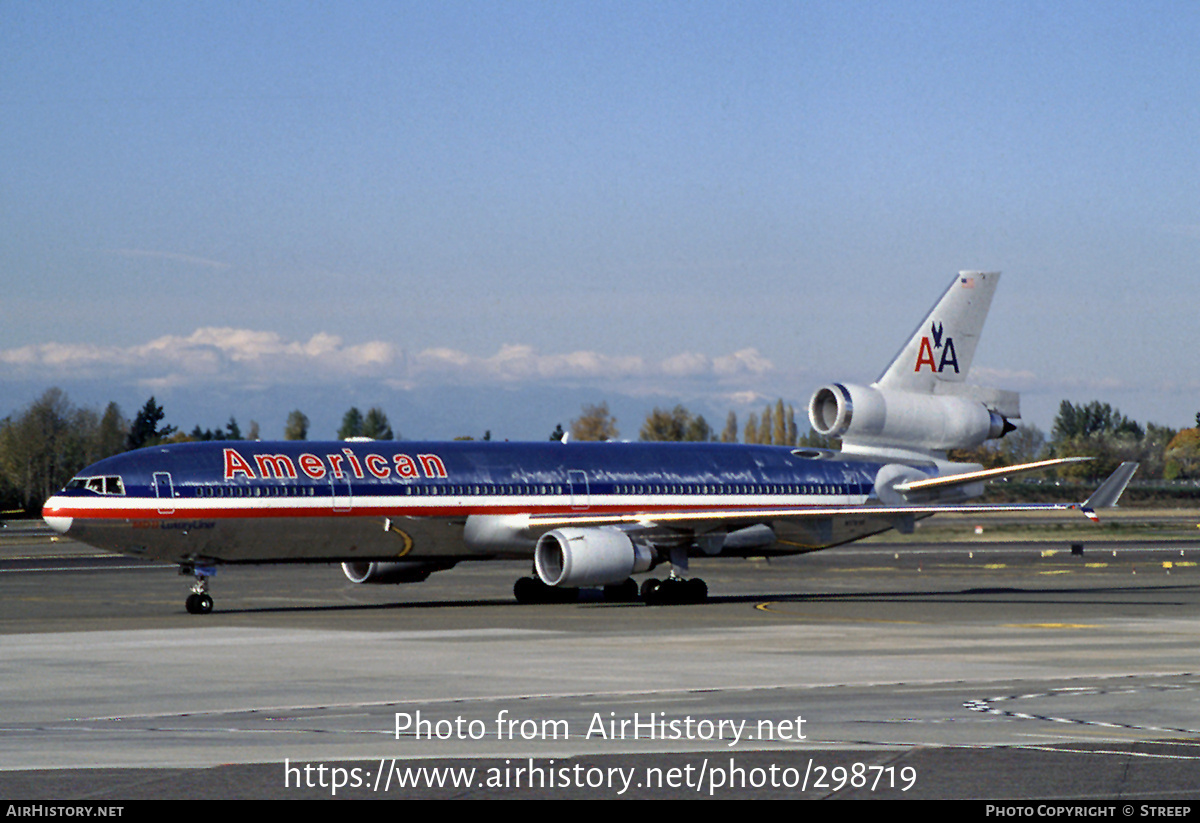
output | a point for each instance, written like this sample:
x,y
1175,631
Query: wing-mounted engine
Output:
x,y
589,557
403,571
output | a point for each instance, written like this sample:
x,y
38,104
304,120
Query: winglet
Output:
x,y
1110,491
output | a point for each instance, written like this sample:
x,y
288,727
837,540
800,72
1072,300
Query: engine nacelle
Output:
x,y
589,557
867,416
403,571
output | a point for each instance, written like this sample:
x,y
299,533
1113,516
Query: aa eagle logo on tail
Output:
x,y
925,355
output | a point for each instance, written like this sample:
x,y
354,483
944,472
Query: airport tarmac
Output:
x,y
987,671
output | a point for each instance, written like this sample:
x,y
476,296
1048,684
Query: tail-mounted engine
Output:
x,y
870,418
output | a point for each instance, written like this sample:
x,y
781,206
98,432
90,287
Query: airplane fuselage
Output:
x,y
253,502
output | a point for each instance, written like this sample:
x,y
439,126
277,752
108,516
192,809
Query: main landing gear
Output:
x,y
199,601
672,591
676,589
533,590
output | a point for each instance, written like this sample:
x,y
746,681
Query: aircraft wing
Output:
x,y
706,520
949,480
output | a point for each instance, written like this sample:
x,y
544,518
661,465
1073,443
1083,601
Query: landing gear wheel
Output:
x,y
674,591
526,590
204,604
198,602
533,590
626,592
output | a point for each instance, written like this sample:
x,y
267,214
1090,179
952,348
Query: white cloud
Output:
x,y
435,359
229,355
745,361
745,398
687,365
220,353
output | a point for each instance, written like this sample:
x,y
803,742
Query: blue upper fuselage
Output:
x,y
472,467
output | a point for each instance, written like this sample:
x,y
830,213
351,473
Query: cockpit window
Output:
x,y
100,485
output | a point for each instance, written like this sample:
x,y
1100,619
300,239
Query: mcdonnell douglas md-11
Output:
x,y
587,514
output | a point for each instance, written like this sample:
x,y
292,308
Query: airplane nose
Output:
x,y
59,523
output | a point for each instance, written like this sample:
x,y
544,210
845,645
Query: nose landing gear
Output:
x,y
199,601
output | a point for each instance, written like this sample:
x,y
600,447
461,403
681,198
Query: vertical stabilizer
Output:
x,y
943,346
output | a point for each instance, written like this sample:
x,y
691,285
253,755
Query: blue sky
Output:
x,y
247,208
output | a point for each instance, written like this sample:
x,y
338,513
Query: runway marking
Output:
x,y
81,556
1050,625
1087,735
1148,755
635,700
84,569
987,705
768,607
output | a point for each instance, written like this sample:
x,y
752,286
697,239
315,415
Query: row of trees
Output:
x,y
1099,431
776,427
43,447
374,425
232,431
